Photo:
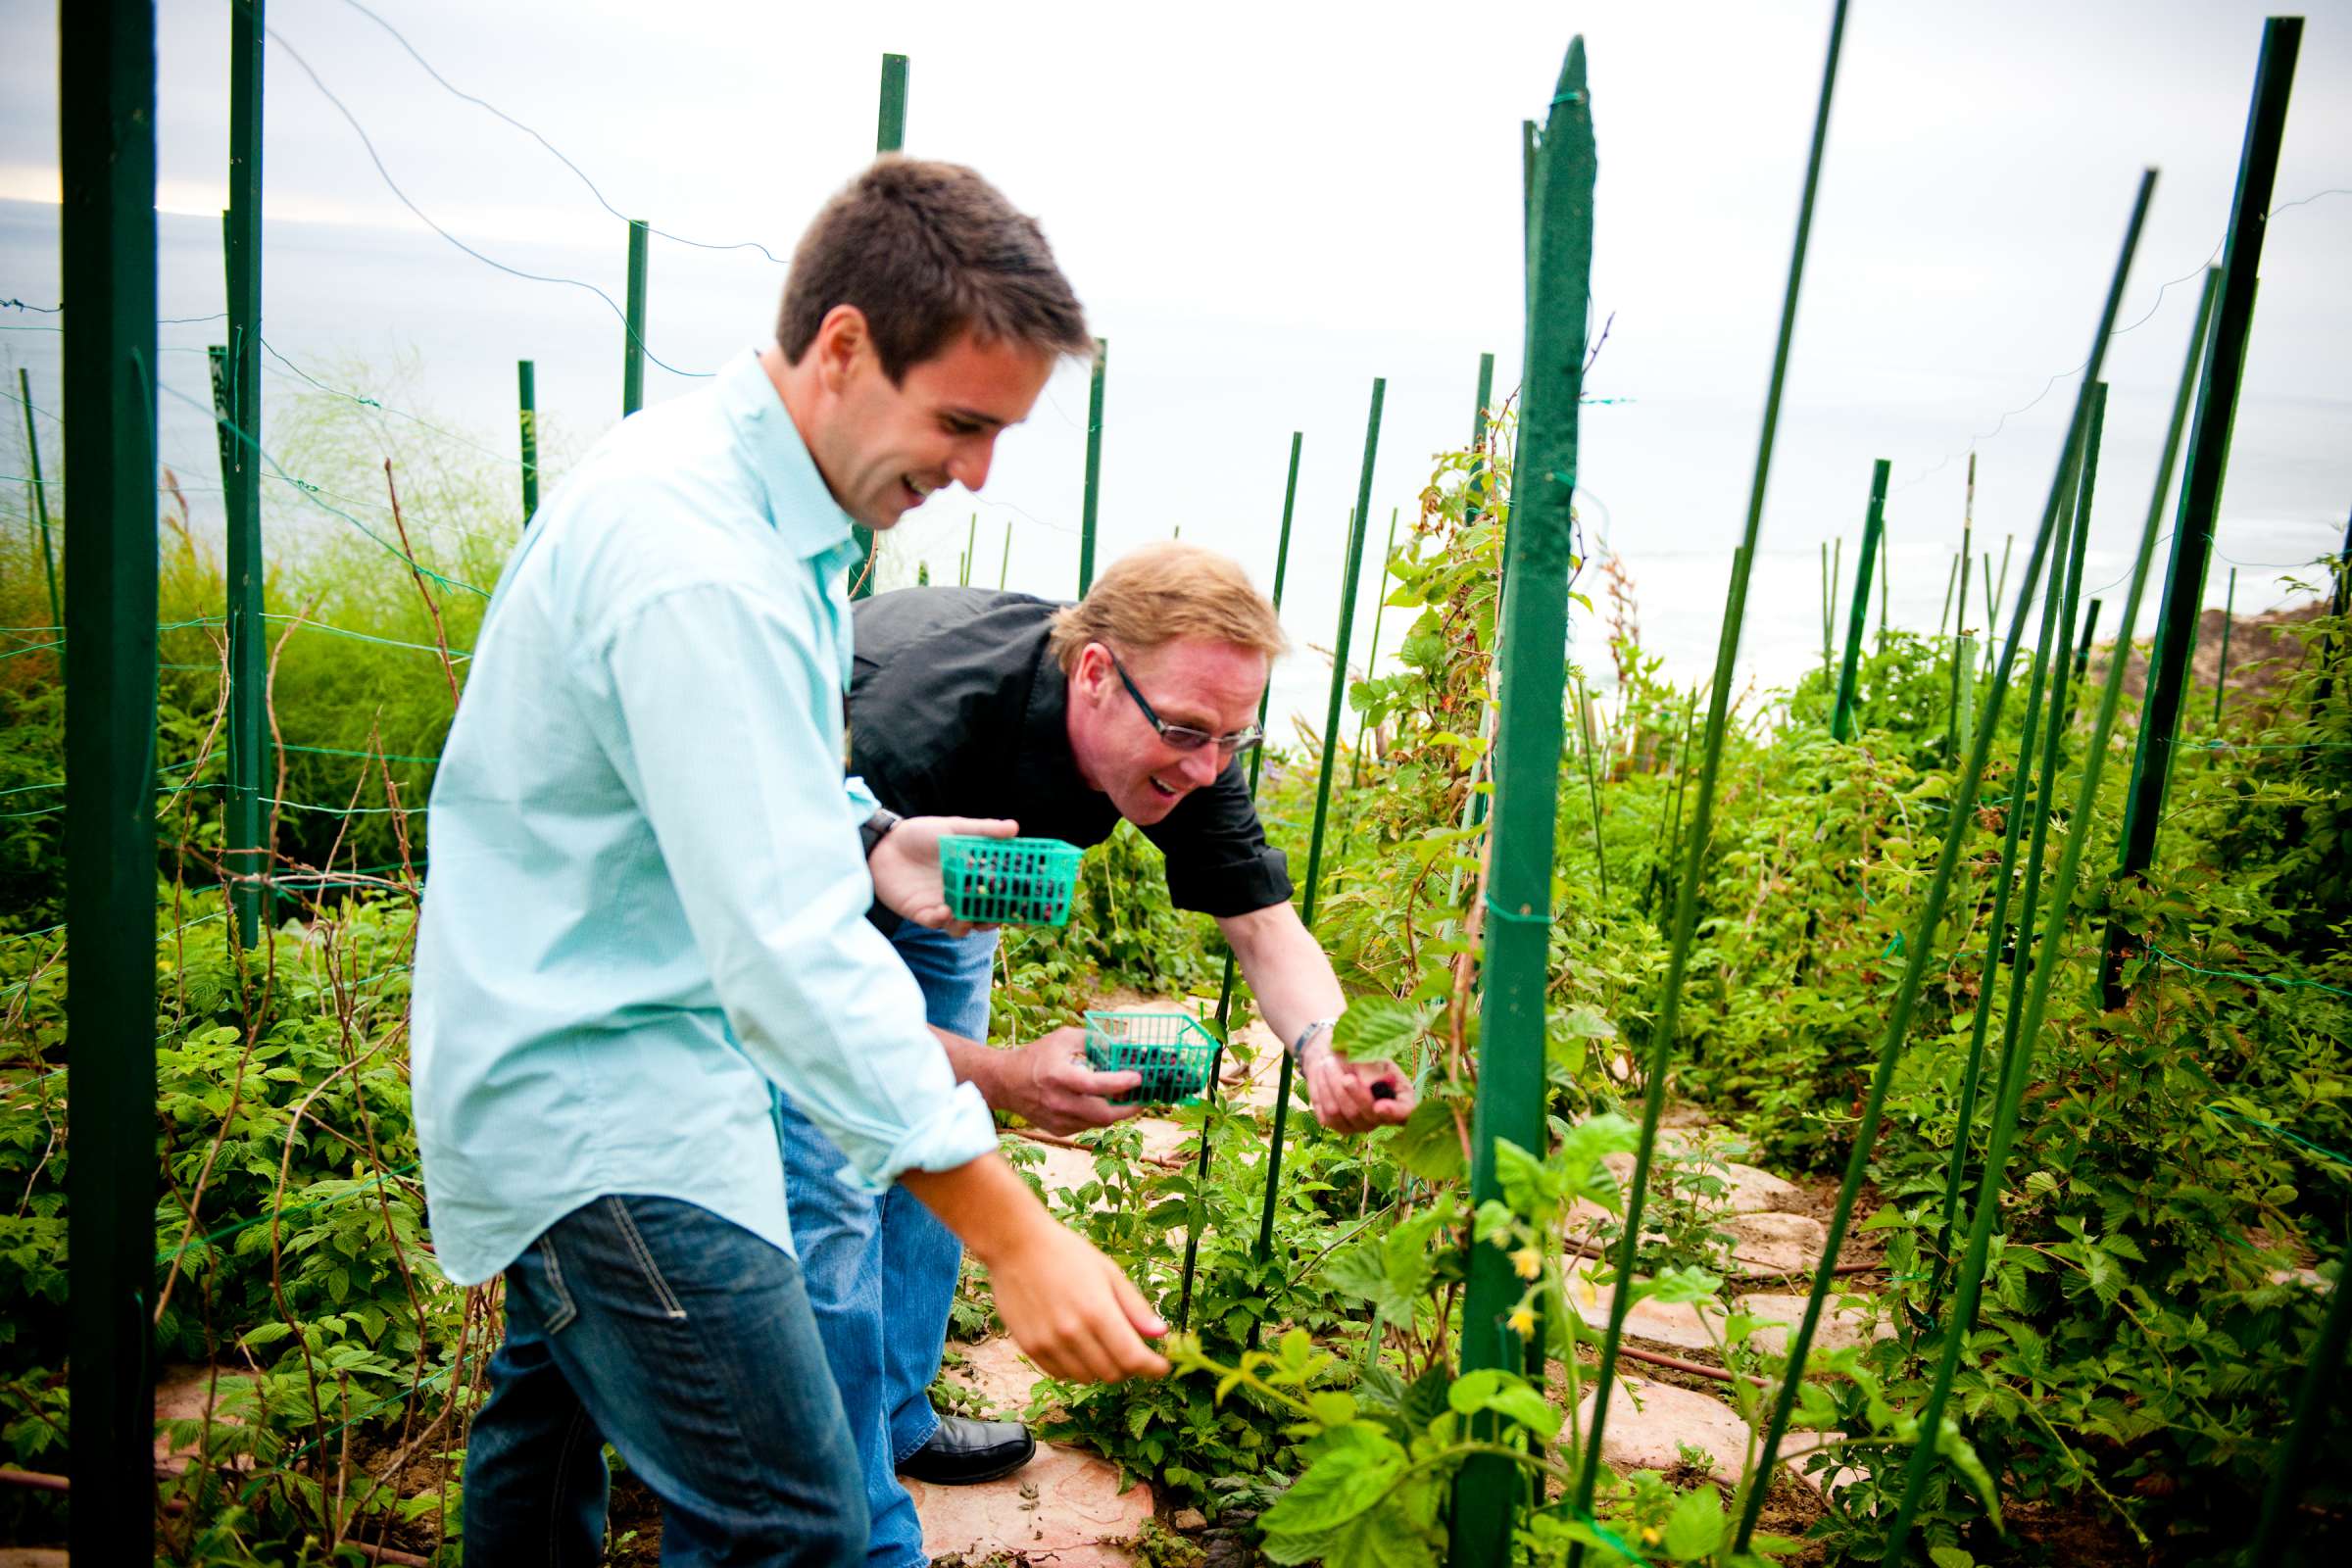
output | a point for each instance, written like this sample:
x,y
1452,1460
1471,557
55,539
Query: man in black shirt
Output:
x,y
1065,719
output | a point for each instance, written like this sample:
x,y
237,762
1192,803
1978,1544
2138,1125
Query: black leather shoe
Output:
x,y
964,1453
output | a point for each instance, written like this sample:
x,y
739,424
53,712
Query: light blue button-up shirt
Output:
x,y
646,901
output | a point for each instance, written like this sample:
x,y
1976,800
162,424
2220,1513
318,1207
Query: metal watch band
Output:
x,y
1307,1037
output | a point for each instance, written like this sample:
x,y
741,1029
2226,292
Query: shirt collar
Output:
x,y
803,510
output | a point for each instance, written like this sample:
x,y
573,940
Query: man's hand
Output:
x,y
1072,1312
905,866
1069,1308
1050,1085
1354,1097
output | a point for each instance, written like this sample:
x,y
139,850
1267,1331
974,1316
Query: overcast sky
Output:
x,y
1266,206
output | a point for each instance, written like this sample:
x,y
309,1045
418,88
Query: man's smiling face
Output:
x,y
1203,685
885,448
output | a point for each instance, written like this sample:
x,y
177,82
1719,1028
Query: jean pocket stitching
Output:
x,y
565,1308
644,1258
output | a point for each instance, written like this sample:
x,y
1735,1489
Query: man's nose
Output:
x,y
1202,765
969,464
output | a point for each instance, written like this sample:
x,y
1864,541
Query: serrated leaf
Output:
x,y
1695,1527
1353,1466
1430,1142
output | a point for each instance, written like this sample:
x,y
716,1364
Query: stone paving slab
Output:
x,y
1777,1244
1676,1325
1064,1504
180,1395
34,1558
1651,1423
1840,1326
1752,1191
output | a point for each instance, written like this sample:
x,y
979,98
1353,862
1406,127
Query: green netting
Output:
x,y
1008,881
1171,1049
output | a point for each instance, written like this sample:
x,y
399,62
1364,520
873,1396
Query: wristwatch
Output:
x,y
876,829
1321,1026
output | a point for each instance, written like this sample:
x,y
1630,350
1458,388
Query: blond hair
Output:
x,y
1161,594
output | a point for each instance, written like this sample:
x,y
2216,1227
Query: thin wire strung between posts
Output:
x,y
311,493
392,185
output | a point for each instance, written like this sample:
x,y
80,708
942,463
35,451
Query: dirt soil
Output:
x,y
2264,654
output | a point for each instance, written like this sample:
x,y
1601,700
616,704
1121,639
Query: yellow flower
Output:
x,y
1652,1535
1527,1263
1523,1321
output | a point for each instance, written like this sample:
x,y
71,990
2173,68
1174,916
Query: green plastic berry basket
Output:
x,y
1008,881
1171,1049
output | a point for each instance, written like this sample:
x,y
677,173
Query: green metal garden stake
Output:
x,y
1584,730
2029,799
890,137
1954,744
1919,950
1380,603
890,119
1964,708
526,405
2017,1075
1192,1234
632,364
2323,1370
1514,972
1315,845
1873,523
1093,469
2091,631
40,502
2201,476
244,849
1992,589
971,542
1686,910
106,142
2221,671
1005,567
1943,617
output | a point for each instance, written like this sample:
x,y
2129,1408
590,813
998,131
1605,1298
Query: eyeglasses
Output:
x,y
1184,737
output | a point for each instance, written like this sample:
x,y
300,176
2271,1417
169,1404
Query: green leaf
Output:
x,y
1430,1143
1378,1029
1355,1465
1695,1527
1951,1557
1957,1449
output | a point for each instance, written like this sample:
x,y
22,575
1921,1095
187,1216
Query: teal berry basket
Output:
x,y
1173,1052
1008,881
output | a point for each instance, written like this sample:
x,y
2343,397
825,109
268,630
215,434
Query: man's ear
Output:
x,y
841,338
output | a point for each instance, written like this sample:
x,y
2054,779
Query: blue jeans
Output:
x,y
687,1342
881,1271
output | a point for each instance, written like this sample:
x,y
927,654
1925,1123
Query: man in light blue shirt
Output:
x,y
648,904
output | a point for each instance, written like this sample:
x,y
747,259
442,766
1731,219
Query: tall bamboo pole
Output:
x,y
1533,643
1873,523
106,97
1943,617
527,405
1968,527
1093,469
1686,912
1004,565
1585,735
1192,1232
1919,950
40,502
2201,477
1314,844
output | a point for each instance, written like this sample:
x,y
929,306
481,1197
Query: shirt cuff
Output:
x,y
863,802
957,1134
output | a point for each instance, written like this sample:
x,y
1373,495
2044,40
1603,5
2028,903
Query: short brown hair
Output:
x,y
1162,593
926,251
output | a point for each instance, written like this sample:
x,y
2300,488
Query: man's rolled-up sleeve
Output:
x,y
727,746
